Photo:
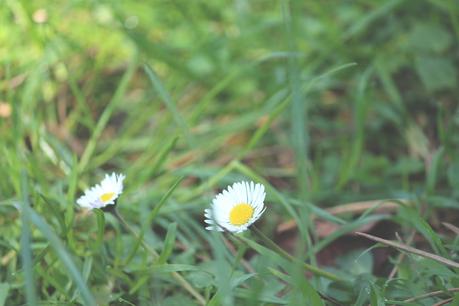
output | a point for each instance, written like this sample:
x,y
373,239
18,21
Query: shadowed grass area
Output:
x,y
346,111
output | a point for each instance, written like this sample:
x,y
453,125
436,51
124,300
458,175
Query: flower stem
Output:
x,y
179,278
313,269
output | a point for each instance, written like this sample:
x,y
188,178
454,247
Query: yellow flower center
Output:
x,y
241,214
107,196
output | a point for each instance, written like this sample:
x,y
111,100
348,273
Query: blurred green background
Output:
x,y
329,101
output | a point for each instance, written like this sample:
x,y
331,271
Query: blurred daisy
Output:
x,y
236,208
103,194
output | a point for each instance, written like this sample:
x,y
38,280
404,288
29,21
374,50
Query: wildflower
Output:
x,y
103,194
236,208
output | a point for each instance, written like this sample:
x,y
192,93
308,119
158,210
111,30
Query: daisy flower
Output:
x,y
103,194
236,208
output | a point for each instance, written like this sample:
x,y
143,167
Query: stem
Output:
x,y
179,278
283,253
431,294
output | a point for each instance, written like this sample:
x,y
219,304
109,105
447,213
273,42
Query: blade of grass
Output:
x,y
179,278
149,220
412,250
64,256
360,114
167,100
106,114
347,228
364,22
298,111
280,253
4,289
151,217
430,294
143,173
26,250
411,216
169,243
70,208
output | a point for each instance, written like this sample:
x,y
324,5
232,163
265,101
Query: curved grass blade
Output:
x,y
163,200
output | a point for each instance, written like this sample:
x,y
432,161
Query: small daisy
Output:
x,y
236,208
104,193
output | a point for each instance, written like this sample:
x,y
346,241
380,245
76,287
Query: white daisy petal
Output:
x,y
104,193
236,207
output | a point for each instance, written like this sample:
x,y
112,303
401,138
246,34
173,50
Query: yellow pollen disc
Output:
x,y
241,214
107,196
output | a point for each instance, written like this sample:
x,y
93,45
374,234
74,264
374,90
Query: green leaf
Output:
x,y
163,200
429,37
239,278
305,294
435,168
26,250
64,256
362,288
340,291
200,279
376,297
4,288
169,102
411,216
266,297
178,299
453,175
356,262
169,243
106,115
168,268
436,73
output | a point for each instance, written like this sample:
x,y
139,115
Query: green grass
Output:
x,y
325,103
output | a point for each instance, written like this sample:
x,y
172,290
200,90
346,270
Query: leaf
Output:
x,y
169,102
376,297
305,294
435,168
436,73
106,115
266,297
340,291
162,201
178,300
168,268
411,216
240,278
200,279
64,256
26,249
4,288
429,37
356,262
453,175
169,243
